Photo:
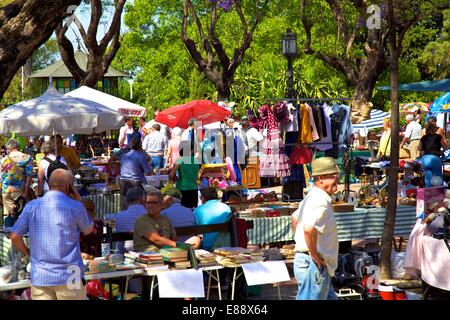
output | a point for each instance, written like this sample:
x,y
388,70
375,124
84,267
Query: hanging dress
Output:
x,y
274,162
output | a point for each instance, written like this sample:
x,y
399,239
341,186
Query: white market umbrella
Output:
x,y
55,113
122,106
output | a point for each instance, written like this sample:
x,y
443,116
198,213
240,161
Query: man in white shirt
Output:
x,y
125,131
316,239
412,135
253,137
155,144
165,130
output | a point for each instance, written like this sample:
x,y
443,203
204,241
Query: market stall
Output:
x,y
360,224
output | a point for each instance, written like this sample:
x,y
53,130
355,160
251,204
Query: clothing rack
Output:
x,y
347,154
308,99
310,144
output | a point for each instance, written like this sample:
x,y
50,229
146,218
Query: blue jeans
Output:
x,y
157,162
313,283
432,166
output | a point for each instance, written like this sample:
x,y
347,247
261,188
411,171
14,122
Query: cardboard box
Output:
x,y
273,213
343,207
427,196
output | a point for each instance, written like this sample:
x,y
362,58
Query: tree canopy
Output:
x,y
153,52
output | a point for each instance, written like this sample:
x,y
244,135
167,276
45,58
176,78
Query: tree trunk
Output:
x,y
24,27
361,104
224,92
101,54
209,54
370,69
224,86
391,210
94,71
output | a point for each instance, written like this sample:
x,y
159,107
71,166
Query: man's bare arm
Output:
x,y
311,241
18,242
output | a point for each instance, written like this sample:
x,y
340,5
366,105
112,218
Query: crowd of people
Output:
x,y
73,225
423,144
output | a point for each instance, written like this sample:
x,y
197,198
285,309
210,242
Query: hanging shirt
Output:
x,y
322,119
253,137
346,127
292,124
315,134
317,120
325,143
305,130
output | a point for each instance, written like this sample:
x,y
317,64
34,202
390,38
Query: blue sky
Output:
x,y
84,17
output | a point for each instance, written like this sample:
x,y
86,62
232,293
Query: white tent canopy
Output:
x,y
375,121
124,107
54,113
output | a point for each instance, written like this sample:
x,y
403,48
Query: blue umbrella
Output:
x,y
441,104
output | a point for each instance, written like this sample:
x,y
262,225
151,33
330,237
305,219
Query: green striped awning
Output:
x,y
105,203
361,224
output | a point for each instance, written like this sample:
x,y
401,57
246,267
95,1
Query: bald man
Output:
x,y
54,223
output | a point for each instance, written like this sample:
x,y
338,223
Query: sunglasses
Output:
x,y
153,202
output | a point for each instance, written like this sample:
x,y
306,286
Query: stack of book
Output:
x,y
205,258
130,257
176,257
233,256
253,256
288,253
150,259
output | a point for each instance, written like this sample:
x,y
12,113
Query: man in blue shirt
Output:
x,y
211,212
53,223
179,215
134,165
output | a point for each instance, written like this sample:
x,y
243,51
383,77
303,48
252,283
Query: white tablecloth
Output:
x,y
428,255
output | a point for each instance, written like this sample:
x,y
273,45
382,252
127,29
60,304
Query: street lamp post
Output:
x,y
130,81
289,50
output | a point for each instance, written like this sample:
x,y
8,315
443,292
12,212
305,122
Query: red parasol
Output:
x,y
204,111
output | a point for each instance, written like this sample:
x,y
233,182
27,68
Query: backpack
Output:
x,y
53,165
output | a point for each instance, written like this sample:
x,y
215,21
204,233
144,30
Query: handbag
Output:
x,y
384,157
301,155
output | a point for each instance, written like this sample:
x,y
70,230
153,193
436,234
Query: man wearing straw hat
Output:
x,y
316,240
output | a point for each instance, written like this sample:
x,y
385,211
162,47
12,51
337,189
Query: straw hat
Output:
x,y
171,191
323,166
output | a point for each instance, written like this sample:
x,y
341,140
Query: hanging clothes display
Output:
x,y
274,162
319,127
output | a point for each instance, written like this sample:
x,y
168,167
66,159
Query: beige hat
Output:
x,y
171,191
323,166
